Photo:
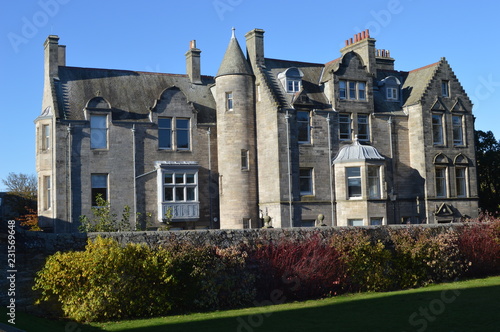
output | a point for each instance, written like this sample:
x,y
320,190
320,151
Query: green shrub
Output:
x,y
108,281
368,263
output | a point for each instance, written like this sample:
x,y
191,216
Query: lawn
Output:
x,y
471,305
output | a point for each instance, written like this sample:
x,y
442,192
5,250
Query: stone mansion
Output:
x,y
347,143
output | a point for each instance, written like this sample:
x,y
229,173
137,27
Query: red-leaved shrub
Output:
x,y
298,270
479,243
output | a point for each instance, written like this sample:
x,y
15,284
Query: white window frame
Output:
x,y
293,85
229,101
45,136
183,182
374,182
351,179
441,181
392,93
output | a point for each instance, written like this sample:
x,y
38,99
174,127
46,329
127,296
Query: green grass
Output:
x,y
471,305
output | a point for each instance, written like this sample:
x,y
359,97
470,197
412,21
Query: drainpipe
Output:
x,y
210,180
287,120
134,171
70,191
334,222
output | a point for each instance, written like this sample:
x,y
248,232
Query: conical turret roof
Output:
x,y
234,62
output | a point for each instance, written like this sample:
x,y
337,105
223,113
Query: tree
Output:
x,y
21,194
488,170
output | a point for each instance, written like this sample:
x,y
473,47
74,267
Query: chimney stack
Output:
x,y
255,46
193,63
55,56
364,46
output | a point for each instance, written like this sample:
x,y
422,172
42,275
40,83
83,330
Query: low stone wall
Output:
x,y
32,248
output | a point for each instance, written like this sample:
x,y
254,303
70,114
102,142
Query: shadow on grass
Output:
x,y
448,310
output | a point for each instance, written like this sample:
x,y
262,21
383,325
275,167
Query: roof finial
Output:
x,y
232,35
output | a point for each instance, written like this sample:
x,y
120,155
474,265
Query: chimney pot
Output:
x,y
192,44
346,42
367,33
356,38
351,40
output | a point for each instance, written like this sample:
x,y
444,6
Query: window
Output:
x,y
259,97
99,183
244,159
306,181
458,136
177,137
344,126
445,88
229,101
98,132
391,93
304,127
355,222
374,182
461,181
180,186
307,223
353,175
342,90
352,90
165,133
182,132
361,90
437,129
45,137
363,127
441,182
293,85
376,221
48,192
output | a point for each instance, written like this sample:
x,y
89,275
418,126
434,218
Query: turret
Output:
x,y
235,100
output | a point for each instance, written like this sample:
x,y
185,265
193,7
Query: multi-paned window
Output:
x,y
174,133
306,181
461,181
293,85
99,184
458,134
180,186
98,132
45,137
345,126
374,182
441,183
352,90
391,93
304,127
353,177
437,129
363,127
376,221
229,101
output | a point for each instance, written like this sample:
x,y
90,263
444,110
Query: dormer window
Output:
x,y
391,85
291,79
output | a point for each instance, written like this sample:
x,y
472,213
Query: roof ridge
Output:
x,y
425,67
302,62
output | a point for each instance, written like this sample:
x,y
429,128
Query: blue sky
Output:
x,y
154,35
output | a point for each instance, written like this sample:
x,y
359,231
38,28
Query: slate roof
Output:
x,y
310,82
417,82
234,61
130,93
